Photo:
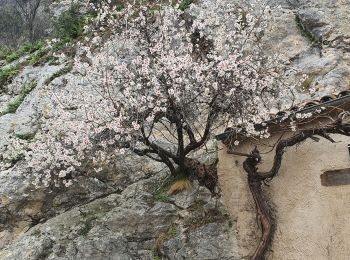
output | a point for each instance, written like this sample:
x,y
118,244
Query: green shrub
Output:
x,y
26,48
27,137
4,51
304,31
12,56
39,58
86,227
13,106
59,73
172,185
162,196
87,222
7,74
172,231
161,193
52,60
69,25
34,60
185,4
31,47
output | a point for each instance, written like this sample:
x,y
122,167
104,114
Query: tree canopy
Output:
x,y
158,81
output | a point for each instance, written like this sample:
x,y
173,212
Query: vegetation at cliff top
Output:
x,y
67,27
70,25
26,48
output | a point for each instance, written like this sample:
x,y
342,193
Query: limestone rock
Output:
x,y
117,216
121,226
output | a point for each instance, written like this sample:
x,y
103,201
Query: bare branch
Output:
x,y
342,129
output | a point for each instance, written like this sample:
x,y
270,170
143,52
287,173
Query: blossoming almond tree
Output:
x,y
182,78
158,81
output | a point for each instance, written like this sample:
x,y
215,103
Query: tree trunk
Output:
x,y
206,174
31,31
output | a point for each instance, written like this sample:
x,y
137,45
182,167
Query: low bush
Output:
x,y
26,137
172,186
13,106
4,51
7,74
26,48
59,73
70,24
184,4
39,58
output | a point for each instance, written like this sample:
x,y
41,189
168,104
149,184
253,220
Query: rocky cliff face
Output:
x,y
132,220
123,215
315,36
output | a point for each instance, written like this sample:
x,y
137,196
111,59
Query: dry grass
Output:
x,y
163,237
179,185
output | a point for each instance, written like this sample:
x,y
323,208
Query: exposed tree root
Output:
x,y
255,178
205,174
264,216
265,219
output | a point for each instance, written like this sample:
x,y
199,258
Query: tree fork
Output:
x,y
205,174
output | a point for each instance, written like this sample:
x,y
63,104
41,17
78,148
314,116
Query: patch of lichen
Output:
x,y
200,216
306,84
89,216
304,31
170,233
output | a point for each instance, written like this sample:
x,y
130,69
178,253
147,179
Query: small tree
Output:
x,y
28,10
160,86
69,25
10,26
159,82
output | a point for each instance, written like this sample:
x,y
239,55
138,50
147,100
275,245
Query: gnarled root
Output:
x,y
206,174
255,178
264,217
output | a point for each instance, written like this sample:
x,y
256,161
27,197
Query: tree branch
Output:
x,y
338,128
190,133
255,178
180,140
159,150
193,146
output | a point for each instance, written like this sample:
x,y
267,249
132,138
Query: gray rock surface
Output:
x,y
131,224
120,216
315,37
26,118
